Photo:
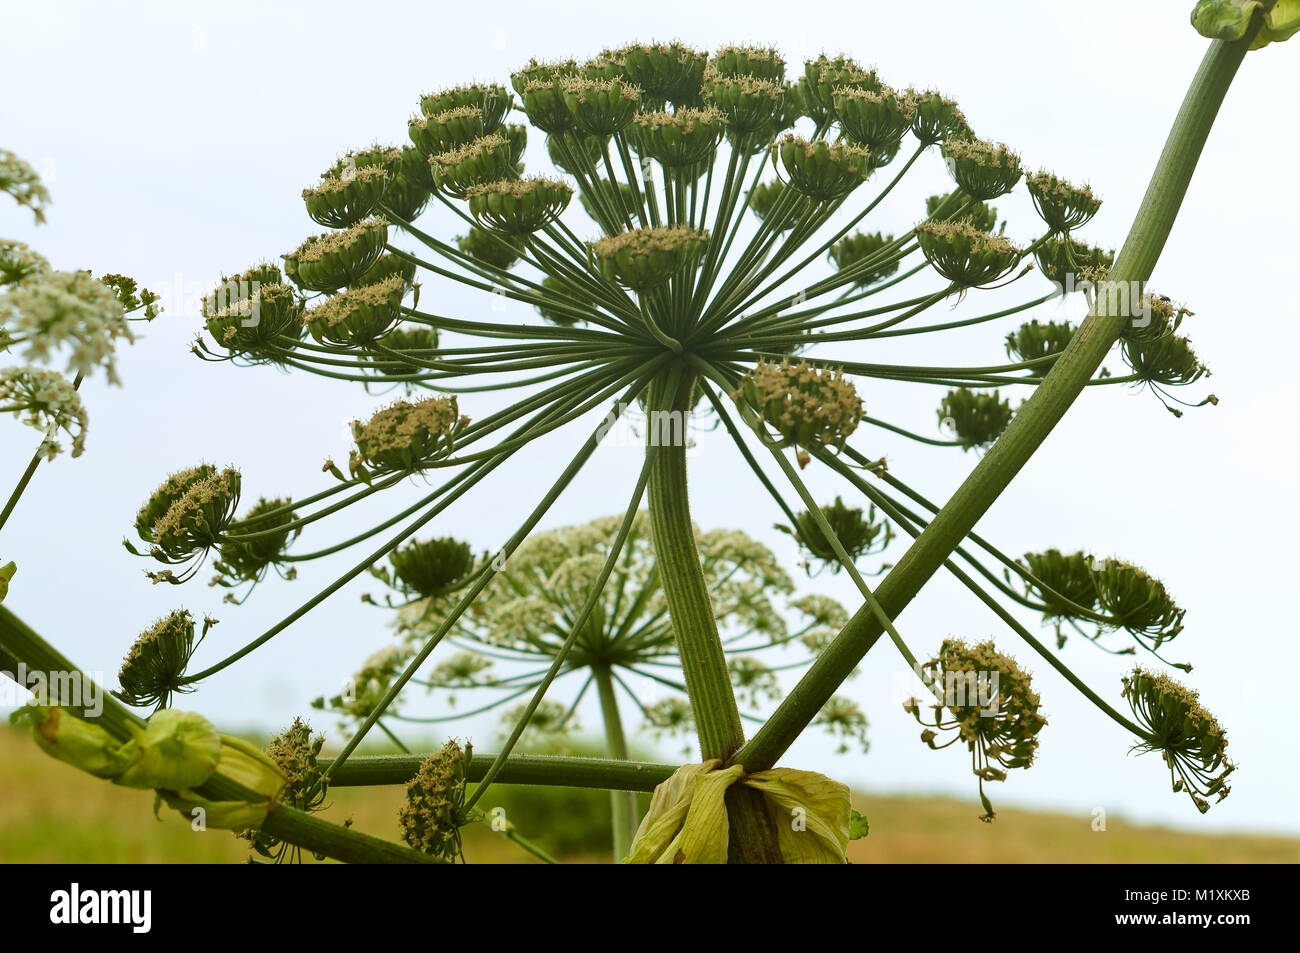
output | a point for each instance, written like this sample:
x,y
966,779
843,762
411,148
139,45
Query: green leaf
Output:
x,y
857,825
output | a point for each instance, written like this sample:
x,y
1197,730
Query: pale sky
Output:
x,y
176,139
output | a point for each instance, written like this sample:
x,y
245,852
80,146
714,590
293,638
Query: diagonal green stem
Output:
x,y
622,803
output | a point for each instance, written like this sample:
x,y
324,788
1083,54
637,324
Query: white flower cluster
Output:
x,y
20,180
47,401
18,262
72,309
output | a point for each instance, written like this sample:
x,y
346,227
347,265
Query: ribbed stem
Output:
x,y
704,665
623,803
530,769
1032,423
717,717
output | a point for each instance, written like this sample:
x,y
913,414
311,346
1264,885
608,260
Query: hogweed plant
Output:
x,y
717,269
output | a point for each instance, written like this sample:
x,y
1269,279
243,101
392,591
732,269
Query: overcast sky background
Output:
x,y
176,138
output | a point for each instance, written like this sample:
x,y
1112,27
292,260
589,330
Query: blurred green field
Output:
x,y
51,813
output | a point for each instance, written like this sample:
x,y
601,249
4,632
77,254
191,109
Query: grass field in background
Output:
x,y
52,813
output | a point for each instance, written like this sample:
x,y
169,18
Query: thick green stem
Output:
x,y
623,803
1031,425
530,769
704,665
717,717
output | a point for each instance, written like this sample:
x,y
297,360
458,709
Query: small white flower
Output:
x,y
47,401
66,309
24,183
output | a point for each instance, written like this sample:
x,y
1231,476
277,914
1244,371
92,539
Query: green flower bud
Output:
x,y
518,206
492,100
1136,601
434,811
874,119
748,103
488,248
808,406
18,263
592,148
824,77
248,561
543,72
1069,263
386,266
983,170
645,257
153,670
254,315
445,131
980,215
1190,739
1229,20
419,342
965,255
360,315
976,418
622,197
991,707
342,201
178,750
545,105
821,170
664,71
296,754
600,107
329,262
486,159
410,187
1061,205
859,534
681,139
200,504
937,118
1068,576
1159,318
406,437
375,157
858,254
1033,341
757,61
433,567
553,313
602,68
1167,360
763,200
